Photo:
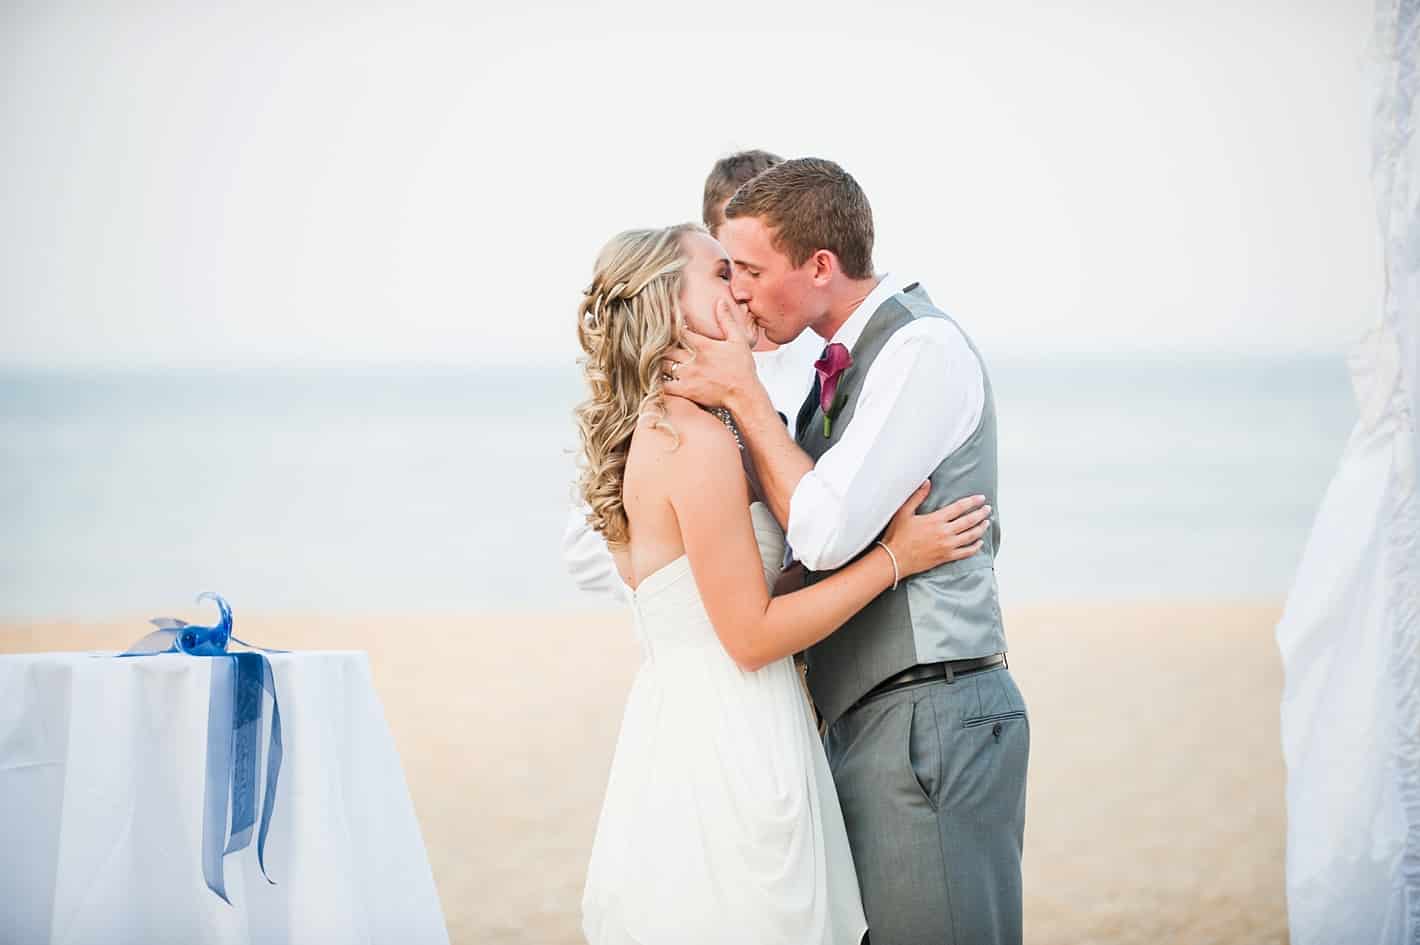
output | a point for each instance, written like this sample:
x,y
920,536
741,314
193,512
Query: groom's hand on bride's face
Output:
x,y
709,371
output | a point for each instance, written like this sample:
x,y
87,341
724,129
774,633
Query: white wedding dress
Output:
x,y
720,822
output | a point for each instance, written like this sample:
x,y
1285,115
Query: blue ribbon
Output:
x,y
234,709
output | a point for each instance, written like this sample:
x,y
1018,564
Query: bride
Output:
x,y
720,821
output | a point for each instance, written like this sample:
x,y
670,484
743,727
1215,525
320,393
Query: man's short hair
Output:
x,y
811,204
726,177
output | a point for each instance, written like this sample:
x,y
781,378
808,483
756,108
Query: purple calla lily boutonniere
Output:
x,y
830,368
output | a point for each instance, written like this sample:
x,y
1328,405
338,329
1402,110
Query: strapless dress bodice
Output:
x,y
668,608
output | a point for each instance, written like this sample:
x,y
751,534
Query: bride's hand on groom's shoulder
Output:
x,y
713,372
951,533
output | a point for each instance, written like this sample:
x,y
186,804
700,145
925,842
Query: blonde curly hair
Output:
x,y
629,319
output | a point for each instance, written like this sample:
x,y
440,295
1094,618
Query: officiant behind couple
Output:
x,y
725,817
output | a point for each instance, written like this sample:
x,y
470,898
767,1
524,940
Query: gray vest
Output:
x,y
948,613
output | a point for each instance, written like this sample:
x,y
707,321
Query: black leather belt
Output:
x,y
950,670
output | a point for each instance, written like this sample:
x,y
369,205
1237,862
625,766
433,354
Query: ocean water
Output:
x,y
387,491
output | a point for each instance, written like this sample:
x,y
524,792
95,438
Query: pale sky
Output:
x,y
352,182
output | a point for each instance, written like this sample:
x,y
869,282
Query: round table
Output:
x,y
102,772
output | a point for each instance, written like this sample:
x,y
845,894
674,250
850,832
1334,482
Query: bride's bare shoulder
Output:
x,y
696,459
690,434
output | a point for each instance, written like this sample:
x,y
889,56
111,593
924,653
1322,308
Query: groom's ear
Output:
x,y
825,265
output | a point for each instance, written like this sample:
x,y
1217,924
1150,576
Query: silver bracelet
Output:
x,y
895,573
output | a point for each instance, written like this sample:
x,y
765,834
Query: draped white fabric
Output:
x,y
1350,634
102,768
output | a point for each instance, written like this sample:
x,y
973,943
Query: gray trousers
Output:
x,y
932,781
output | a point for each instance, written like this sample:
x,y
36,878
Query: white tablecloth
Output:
x,y
101,787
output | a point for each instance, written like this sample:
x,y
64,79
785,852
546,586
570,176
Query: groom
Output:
x,y
927,733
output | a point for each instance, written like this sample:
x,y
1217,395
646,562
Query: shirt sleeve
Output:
x,y
922,398
587,557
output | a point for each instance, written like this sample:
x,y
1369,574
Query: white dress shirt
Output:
x,y
587,557
787,373
921,399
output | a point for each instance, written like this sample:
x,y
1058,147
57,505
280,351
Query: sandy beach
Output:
x,y
1156,806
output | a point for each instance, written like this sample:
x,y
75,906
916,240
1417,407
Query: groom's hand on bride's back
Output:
x,y
711,371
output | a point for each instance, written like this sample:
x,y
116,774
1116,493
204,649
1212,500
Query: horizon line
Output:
x,y
1021,353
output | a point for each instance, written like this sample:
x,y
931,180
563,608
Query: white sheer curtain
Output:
x,y
1350,635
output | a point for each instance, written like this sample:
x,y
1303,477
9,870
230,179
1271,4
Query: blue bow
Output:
x,y
234,709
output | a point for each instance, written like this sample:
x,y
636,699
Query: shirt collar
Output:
x,y
849,332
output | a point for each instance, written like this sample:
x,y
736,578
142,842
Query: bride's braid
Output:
x,y
628,320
